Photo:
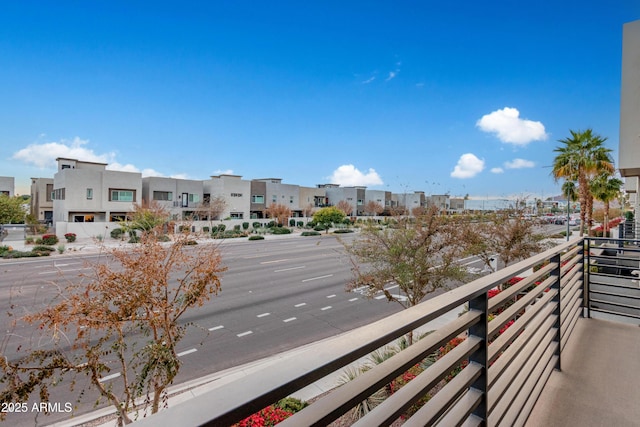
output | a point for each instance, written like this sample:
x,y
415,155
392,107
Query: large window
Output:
x,y
58,194
194,198
122,195
236,215
83,218
163,195
257,199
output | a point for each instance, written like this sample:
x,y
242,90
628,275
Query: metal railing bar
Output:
x,y
341,400
617,295
571,277
413,391
535,393
530,337
512,291
615,304
514,376
572,322
524,385
614,285
439,404
569,296
472,421
462,409
617,313
525,301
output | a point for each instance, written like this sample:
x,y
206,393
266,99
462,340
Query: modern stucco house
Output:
x,y
90,200
7,185
42,199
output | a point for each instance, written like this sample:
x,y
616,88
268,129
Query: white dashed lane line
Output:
x,y
274,262
317,278
353,299
244,334
215,328
263,315
109,377
291,319
302,304
326,308
289,269
184,353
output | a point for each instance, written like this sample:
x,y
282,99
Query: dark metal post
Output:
x,y
586,277
556,273
480,329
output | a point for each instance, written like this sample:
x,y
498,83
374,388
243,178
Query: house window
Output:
x,y
236,215
360,202
89,193
274,199
83,218
118,217
163,195
58,194
290,199
122,195
236,194
257,199
194,198
49,192
66,167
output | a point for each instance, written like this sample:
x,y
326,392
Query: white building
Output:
x,y
42,199
7,185
90,200
182,198
234,190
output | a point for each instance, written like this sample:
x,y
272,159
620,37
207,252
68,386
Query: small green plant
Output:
x,y
71,237
236,227
41,248
292,222
28,241
319,227
310,233
117,233
61,249
245,225
49,239
343,231
280,230
292,404
256,224
299,224
99,237
256,237
205,229
271,224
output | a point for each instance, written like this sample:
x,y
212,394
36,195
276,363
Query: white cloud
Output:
x,y
468,166
369,80
497,170
44,155
510,128
349,175
392,75
519,164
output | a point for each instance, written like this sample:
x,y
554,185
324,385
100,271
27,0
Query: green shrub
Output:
x,y
256,237
291,404
205,229
4,249
221,228
49,239
319,227
256,225
236,227
164,238
134,239
71,237
271,224
23,254
61,248
299,224
310,233
28,241
292,223
343,231
245,225
42,249
280,230
117,233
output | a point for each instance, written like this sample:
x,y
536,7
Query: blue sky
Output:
x,y
464,97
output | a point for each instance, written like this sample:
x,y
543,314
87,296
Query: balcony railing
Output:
x,y
505,374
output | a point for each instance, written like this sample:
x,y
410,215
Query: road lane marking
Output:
x,y
353,299
300,305
184,353
326,308
215,328
62,271
288,269
109,377
244,334
331,296
291,319
263,315
273,262
317,278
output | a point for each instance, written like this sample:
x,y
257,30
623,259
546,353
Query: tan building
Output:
x,y
41,199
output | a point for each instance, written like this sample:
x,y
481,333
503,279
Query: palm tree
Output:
x,y
582,156
606,188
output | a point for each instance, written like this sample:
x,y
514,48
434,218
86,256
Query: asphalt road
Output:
x,y
276,295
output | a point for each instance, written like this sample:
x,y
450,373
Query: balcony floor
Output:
x,y
599,382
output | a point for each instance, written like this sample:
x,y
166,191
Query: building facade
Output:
x,y
42,199
7,185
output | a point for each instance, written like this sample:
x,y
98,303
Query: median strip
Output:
x,y
317,278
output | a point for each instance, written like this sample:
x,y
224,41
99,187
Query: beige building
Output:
x,y
41,199
7,185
